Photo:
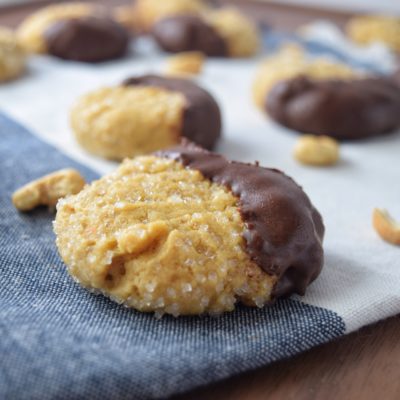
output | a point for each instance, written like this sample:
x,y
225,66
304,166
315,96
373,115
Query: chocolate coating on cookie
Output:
x,y
344,109
284,232
88,39
202,117
188,33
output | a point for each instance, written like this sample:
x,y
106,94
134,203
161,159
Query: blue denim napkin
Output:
x,y
58,341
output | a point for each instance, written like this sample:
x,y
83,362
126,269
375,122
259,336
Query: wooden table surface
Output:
x,y
363,365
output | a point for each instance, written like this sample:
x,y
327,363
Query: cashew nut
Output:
x,y
48,189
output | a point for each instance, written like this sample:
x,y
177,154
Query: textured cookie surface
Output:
x,y
12,56
224,33
124,121
159,237
31,31
290,62
186,232
201,117
147,12
344,109
375,28
283,232
145,114
88,39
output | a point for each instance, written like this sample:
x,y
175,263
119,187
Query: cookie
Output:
x,y
76,31
185,231
148,12
87,39
220,33
343,109
368,29
289,62
185,33
12,56
145,114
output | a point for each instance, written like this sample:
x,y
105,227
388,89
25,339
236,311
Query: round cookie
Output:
x,y
145,114
186,231
224,33
12,56
368,29
31,31
184,33
75,31
290,62
148,12
87,39
343,109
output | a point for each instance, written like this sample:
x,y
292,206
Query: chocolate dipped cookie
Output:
x,y
145,114
323,97
185,231
220,33
75,31
148,12
343,109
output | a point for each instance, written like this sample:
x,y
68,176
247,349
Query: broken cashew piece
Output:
x,y
387,228
187,63
316,150
46,191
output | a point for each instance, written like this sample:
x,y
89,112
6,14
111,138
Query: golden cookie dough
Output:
x,y
12,56
31,31
125,121
147,12
289,62
240,33
156,236
375,28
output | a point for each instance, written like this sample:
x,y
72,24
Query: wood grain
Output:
x,y
364,365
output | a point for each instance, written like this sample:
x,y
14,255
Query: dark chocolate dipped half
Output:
x,y
284,232
87,39
202,116
343,109
189,33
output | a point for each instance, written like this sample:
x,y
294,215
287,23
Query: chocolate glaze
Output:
x,y
188,33
344,109
284,231
201,118
88,39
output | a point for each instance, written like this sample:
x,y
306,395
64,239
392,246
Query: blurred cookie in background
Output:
x,y
368,29
74,31
348,109
12,56
224,32
325,97
291,61
145,114
148,12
